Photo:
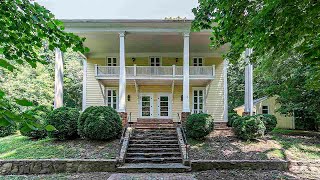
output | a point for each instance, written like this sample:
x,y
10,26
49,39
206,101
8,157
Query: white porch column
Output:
x,y
225,89
84,85
186,99
248,101
58,79
122,77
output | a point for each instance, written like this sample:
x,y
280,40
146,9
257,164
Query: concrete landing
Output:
x,y
151,176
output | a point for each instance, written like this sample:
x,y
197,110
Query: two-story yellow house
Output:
x,y
152,69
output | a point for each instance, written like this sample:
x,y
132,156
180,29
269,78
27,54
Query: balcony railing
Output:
x,y
155,71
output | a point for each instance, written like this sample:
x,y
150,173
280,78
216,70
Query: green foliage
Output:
x,y
232,116
269,121
100,123
199,125
248,127
40,113
7,130
285,39
64,119
26,28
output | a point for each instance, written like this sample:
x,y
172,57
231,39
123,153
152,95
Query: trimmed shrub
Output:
x,y
232,117
270,121
39,113
248,127
7,130
199,125
99,123
65,120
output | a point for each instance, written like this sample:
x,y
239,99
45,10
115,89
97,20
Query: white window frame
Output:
x,y
160,58
193,63
203,102
169,105
112,64
151,105
106,97
265,109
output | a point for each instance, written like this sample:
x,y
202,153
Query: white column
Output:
x,y
58,79
225,89
122,77
84,85
186,99
248,101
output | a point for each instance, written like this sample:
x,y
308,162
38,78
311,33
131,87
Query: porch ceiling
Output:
x,y
136,44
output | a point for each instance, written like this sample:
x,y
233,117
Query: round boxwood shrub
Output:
x,y
248,127
99,123
270,121
39,113
7,130
65,120
231,118
199,125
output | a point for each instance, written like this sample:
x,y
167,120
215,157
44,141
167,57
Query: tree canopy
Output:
x,y
26,28
285,37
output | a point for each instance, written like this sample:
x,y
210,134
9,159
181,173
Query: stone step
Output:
x,y
175,141
153,128
153,137
154,160
151,167
157,154
146,150
154,145
160,132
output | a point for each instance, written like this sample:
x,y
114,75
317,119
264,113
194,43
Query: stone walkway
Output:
x,y
152,176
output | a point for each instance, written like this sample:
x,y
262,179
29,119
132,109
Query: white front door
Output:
x,y
164,106
146,105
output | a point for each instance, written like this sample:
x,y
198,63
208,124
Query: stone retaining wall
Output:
x,y
47,166
202,165
304,166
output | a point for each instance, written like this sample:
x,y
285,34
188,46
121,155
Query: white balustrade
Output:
x,y
155,71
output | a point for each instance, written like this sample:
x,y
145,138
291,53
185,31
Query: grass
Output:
x,y
21,147
281,144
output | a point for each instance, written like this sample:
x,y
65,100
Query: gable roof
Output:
x,y
255,101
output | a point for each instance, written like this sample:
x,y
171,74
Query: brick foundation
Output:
x,y
184,116
124,118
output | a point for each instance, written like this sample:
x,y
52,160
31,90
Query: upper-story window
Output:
x,y
111,61
155,61
197,61
265,109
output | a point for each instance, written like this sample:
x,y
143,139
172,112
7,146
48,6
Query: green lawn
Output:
x,y
20,147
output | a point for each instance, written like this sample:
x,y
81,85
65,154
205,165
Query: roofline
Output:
x,y
257,101
125,21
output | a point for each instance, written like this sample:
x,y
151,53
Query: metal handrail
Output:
x,y
184,135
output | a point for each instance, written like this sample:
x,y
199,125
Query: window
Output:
x,y
198,101
112,98
197,61
265,109
155,61
111,61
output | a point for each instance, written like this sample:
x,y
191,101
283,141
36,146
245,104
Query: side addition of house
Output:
x,y
152,69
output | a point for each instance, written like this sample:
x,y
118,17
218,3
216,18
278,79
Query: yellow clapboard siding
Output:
x,y
214,102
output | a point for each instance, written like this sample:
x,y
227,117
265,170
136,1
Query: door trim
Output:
x,y
169,105
151,105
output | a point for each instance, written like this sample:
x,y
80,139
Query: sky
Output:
x,y
119,9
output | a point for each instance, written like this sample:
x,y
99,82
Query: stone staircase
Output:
x,y
154,147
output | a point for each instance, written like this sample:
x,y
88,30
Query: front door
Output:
x,y
146,105
164,106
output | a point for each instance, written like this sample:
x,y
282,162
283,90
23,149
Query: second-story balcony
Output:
x,y
155,72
